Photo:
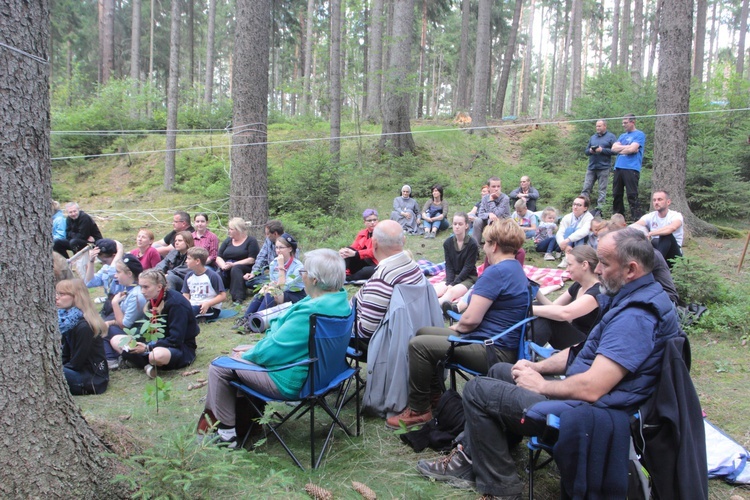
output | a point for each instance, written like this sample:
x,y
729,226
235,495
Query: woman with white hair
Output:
x,y
406,211
285,342
236,258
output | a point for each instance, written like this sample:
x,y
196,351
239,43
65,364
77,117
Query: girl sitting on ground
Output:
x,y
82,329
545,240
127,305
435,213
147,254
461,252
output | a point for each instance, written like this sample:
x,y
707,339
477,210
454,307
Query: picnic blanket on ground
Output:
x,y
549,278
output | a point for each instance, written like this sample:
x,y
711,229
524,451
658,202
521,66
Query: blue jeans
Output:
x,y
602,175
212,313
82,383
439,225
548,245
493,406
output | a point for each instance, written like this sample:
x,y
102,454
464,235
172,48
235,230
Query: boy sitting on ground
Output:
x,y
202,286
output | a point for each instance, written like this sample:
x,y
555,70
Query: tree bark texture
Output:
x,y
375,63
106,39
249,190
308,56
396,126
700,38
191,41
335,72
173,88
654,37
528,55
48,449
510,49
462,94
577,32
625,22
481,65
615,36
422,43
740,67
135,42
208,89
673,98
712,38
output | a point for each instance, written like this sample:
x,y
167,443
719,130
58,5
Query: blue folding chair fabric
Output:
x,y
329,373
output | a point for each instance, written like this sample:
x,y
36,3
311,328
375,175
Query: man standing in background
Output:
x,y
629,148
599,151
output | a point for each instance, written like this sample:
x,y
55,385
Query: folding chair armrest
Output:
x,y
461,340
233,364
354,353
454,316
542,352
513,327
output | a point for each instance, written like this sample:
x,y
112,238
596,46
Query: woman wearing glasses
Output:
x,y
83,332
359,258
285,272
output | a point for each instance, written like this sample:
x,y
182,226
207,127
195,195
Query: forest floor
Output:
x,y
377,458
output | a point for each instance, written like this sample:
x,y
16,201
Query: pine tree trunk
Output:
x,y
615,36
308,56
150,78
335,146
654,37
48,448
481,66
673,100
576,32
208,89
375,63
172,96
712,38
135,42
636,68
700,38
526,80
106,40
740,66
625,23
396,126
422,43
249,188
510,49
191,42
462,93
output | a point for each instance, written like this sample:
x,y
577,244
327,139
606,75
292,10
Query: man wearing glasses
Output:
x,y
359,257
574,227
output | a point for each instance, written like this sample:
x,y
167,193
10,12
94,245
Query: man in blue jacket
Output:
x,y
599,151
616,367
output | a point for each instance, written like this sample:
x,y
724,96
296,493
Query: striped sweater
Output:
x,y
375,296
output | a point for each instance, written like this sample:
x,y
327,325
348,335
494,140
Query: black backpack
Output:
x,y
447,422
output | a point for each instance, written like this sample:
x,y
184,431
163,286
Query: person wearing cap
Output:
x,y
80,230
359,257
127,305
286,283
107,251
406,211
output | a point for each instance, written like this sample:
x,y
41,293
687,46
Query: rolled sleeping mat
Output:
x,y
261,320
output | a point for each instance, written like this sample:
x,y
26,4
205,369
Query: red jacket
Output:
x,y
363,245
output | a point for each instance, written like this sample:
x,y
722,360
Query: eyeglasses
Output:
x,y
302,271
282,247
577,204
371,221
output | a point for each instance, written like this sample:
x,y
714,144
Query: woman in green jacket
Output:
x,y
284,343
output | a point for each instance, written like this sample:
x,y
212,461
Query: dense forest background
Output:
x,y
131,67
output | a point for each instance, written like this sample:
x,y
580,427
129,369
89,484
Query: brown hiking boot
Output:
x,y
409,417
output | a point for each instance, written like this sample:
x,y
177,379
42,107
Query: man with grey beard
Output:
x,y
617,367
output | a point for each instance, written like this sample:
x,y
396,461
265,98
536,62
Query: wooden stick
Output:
x,y
744,251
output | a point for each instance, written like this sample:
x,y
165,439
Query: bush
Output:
x,y
698,282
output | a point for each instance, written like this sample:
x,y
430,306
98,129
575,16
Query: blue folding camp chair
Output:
x,y
329,374
524,349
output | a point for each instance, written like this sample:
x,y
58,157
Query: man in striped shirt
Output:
x,y
394,267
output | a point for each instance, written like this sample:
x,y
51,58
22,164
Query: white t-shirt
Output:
x,y
203,287
653,222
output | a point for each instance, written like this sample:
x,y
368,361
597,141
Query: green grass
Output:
x,y
129,195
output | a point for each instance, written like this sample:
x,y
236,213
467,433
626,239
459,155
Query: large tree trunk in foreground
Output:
x,y
48,449
673,99
249,191
173,89
396,126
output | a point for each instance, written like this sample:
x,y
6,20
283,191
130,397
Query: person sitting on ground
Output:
x,y
461,252
144,250
359,258
285,342
172,312
574,228
406,211
570,318
60,268
526,192
127,305
494,206
395,267
82,329
173,266
80,230
618,220
500,300
180,222
665,227
286,283
59,223
525,218
435,213
617,367
267,254
473,212
236,258
108,252
202,286
204,238
597,224
544,239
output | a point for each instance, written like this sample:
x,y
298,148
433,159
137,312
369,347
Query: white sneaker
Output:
x,y
549,256
563,263
150,371
557,255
